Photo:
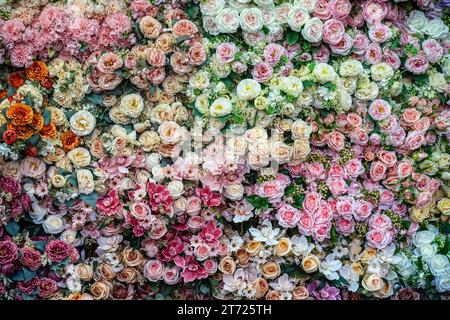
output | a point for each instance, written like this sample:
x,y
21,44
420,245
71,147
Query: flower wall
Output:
x,y
224,149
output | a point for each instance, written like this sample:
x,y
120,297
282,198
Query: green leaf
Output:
x,y
95,98
204,289
24,274
90,198
258,202
40,245
292,37
308,83
47,116
12,228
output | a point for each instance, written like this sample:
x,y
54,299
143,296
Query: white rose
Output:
x,y
221,107
381,71
438,264
211,7
202,103
417,21
424,237
132,105
292,85
324,73
368,92
251,20
80,157
151,160
437,81
82,123
256,134
158,173
176,188
436,28
170,132
227,20
248,89
54,224
234,192
372,282
301,130
442,282
312,30
310,5
70,236
85,180
345,100
301,149
199,80
280,152
37,213
351,68
149,140
297,17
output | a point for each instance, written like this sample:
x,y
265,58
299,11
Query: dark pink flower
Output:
x,y
208,197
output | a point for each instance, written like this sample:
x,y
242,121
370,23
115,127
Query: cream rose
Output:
x,y
132,105
82,123
324,73
234,191
85,180
248,89
221,107
310,263
80,156
372,282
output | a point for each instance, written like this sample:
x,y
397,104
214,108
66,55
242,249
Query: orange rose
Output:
x,y
20,114
38,121
3,94
47,82
23,132
48,131
37,71
16,79
69,140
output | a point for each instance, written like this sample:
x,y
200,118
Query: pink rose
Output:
x,y
288,216
380,222
374,11
404,168
321,231
202,252
360,43
28,287
47,287
262,72
417,64
344,46
272,190
153,270
316,170
156,76
423,199
195,223
8,252
340,9
411,116
336,171
9,185
109,203
140,210
380,33
184,28
386,198
311,202
354,168
414,140
391,58
336,140
345,226
378,171
155,57
324,214
226,51
171,276
363,210
194,206
345,206
433,50
333,31
354,119
30,257
337,186
378,238
322,10
197,54
356,19
180,64
379,109
109,62
359,136
57,250
373,53
210,266
423,125
273,53
322,55
387,157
